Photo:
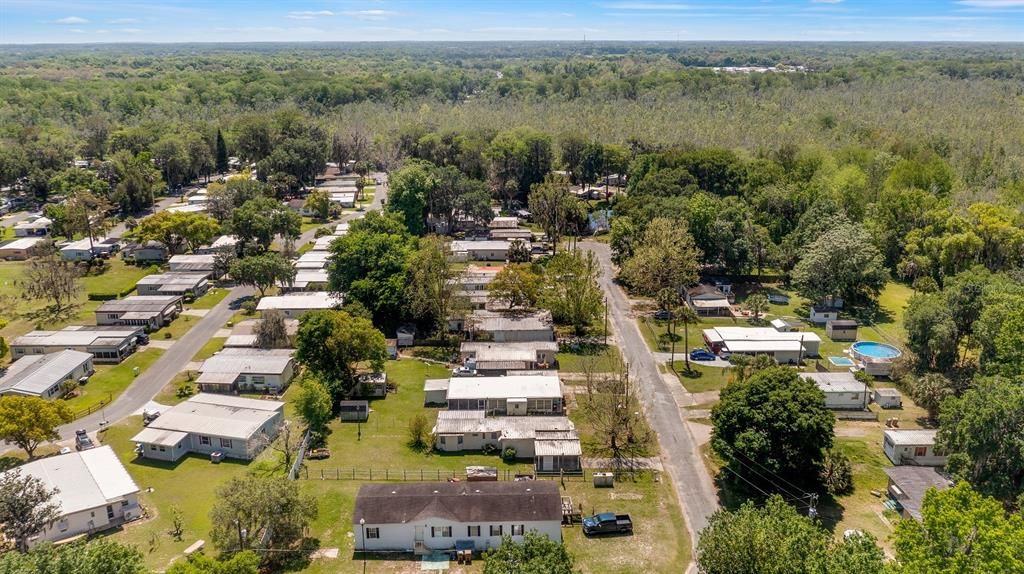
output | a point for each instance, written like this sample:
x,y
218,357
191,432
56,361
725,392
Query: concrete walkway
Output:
x,y
680,452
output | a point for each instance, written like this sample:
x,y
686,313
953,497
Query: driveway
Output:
x,y
680,452
717,363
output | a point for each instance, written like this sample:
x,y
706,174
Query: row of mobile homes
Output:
x,y
106,344
234,427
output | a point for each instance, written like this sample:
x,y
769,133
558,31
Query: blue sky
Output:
x,y
78,21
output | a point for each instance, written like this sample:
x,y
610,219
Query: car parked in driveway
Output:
x,y
701,355
607,523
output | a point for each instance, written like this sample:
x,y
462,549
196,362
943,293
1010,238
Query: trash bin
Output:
x,y
604,479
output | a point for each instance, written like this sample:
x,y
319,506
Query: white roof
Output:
x,y
217,415
37,223
504,222
518,351
435,385
34,374
493,321
341,229
84,245
730,334
324,243
23,243
516,386
301,301
303,277
160,437
88,479
193,208
842,382
762,346
76,336
180,279
911,437
510,427
224,241
206,259
312,260
488,245
250,361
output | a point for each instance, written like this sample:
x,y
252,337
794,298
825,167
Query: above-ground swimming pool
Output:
x,y
871,350
841,361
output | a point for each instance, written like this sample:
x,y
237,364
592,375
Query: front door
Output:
x,y
110,512
419,534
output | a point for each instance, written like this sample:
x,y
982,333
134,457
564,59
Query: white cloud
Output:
x,y
992,3
123,21
826,1
309,14
102,31
370,14
77,30
131,30
71,20
648,6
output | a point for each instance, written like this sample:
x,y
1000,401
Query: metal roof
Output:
x,y
140,303
249,361
510,427
763,346
22,243
435,385
301,301
34,374
217,415
184,280
324,243
518,386
730,334
517,351
841,382
303,277
88,479
912,437
159,437
484,320
76,336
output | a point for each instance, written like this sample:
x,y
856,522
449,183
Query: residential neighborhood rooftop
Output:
x,y
516,386
911,437
217,415
87,479
300,301
500,501
34,374
78,336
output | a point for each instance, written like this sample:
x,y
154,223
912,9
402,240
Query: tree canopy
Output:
x,y
332,344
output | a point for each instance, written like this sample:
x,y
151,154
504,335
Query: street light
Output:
x,y
362,526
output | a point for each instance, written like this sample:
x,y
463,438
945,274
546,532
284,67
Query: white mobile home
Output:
x,y
34,226
246,370
187,285
306,280
236,427
106,344
786,347
312,260
147,311
43,376
19,249
842,390
916,446
457,431
431,516
507,327
86,249
822,314
499,358
94,491
516,395
489,250
223,244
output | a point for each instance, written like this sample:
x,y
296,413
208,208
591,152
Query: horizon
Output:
x,y
59,22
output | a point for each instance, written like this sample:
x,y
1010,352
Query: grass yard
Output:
x,y
209,299
169,394
209,348
605,360
176,329
381,443
189,485
110,381
893,301
701,378
118,279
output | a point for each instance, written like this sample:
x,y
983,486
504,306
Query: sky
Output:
x,y
168,21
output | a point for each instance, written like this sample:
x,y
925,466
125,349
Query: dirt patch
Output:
x,y
626,496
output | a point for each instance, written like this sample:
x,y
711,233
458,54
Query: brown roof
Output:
x,y
501,501
705,289
914,482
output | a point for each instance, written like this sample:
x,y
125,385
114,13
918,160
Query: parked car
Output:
x,y
318,453
82,440
701,355
663,315
142,339
607,523
149,416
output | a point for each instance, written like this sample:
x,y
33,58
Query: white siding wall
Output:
x,y
92,520
845,400
403,536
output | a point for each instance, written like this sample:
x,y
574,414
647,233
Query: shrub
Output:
x,y
185,391
836,473
508,455
490,449
249,307
167,334
419,432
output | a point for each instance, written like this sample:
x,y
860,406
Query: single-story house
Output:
x,y
841,329
354,410
784,326
489,250
507,234
516,395
472,300
34,226
19,249
435,392
842,390
424,517
299,206
888,398
242,369
822,314
86,249
106,344
223,244
147,311
187,208
204,264
236,427
508,327
477,278
503,222
187,285
785,347
908,485
296,305
457,431
151,251
499,358
312,260
913,446
343,198
557,452
43,376
341,229
707,300
92,488
306,280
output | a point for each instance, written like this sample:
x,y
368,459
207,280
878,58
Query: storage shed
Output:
x,y
841,329
354,411
888,398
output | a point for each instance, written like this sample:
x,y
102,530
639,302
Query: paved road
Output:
x,y
15,218
152,380
377,203
681,455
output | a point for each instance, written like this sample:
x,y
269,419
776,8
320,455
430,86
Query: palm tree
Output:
x,y
685,315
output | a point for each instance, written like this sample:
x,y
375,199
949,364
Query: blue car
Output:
x,y
701,355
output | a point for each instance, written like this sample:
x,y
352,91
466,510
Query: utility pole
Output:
x,y
605,320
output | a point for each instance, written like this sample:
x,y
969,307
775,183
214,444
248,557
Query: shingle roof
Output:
x,y
502,501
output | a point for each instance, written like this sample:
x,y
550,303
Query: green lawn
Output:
x,y
169,394
110,381
176,329
893,301
701,378
605,361
209,348
210,299
119,278
189,485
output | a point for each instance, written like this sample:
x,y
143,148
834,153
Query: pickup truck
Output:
x,y
607,523
82,440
